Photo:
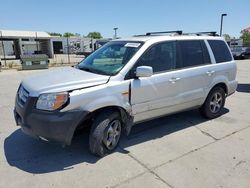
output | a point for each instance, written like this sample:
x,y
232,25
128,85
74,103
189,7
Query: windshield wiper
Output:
x,y
85,69
88,69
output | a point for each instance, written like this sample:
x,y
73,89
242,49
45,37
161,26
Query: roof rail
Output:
x,y
179,32
139,35
210,33
163,32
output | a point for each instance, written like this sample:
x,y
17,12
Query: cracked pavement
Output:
x,y
181,150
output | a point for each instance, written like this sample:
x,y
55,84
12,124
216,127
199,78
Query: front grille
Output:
x,y
22,95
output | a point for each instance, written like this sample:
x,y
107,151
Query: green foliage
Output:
x,y
94,35
54,34
68,34
77,34
245,35
227,37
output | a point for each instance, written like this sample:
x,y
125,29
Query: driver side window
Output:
x,y
161,57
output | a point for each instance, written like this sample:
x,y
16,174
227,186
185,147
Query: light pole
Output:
x,y
115,29
221,22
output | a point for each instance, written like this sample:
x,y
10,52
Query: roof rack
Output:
x,y
179,32
163,32
209,33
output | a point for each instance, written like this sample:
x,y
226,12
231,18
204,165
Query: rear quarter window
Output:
x,y
220,51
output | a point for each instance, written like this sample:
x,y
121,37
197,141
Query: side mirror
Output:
x,y
144,71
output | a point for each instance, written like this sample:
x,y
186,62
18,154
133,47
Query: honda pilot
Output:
x,y
125,82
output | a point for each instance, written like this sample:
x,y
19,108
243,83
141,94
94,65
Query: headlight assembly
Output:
x,y
52,101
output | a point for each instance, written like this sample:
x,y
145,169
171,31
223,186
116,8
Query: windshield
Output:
x,y
110,58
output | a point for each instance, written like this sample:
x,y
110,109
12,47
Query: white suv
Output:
x,y
125,82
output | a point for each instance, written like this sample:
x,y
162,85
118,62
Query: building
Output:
x,y
16,43
235,42
239,42
13,44
247,29
72,45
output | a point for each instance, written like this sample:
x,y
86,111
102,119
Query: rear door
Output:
x,y
196,72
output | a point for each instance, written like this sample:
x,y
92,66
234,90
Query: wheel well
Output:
x,y
123,112
223,86
88,120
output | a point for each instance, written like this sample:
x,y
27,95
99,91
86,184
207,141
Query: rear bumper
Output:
x,y
53,126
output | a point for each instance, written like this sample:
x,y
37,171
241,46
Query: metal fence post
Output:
x,y
3,49
68,49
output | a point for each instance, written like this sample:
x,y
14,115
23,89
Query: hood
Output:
x,y
63,79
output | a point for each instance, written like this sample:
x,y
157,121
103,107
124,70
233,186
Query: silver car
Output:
x,y
125,82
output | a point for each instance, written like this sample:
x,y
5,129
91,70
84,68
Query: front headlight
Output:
x,y
52,101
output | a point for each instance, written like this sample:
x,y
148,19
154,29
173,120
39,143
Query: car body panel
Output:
x,y
93,98
63,79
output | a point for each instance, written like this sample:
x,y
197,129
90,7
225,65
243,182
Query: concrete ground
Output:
x,y
182,150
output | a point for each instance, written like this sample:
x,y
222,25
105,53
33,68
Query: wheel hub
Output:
x,y
113,134
216,102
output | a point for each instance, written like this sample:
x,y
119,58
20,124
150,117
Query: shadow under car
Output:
x,y
37,157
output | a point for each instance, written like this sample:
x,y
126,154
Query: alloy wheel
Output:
x,y
216,102
112,134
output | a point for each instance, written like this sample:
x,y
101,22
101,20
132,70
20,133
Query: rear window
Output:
x,y
220,51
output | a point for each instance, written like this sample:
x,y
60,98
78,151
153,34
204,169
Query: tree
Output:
x,y
245,35
68,34
77,34
227,37
94,35
54,34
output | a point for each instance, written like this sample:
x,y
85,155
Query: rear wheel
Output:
x,y
105,133
214,103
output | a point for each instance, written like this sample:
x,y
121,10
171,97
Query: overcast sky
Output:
x,y
130,16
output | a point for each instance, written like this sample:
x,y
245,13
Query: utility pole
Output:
x,y
221,22
5,64
115,29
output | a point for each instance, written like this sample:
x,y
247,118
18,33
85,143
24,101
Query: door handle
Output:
x,y
209,73
173,80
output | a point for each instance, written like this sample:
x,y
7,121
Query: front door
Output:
x,y
151,95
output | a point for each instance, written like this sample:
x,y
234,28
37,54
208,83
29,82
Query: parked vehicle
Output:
x,y
125,82
247,53
238,52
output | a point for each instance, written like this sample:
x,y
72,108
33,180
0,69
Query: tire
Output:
x,y
214,103
105,133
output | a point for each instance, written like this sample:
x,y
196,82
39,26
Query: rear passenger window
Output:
x,y
220,51
192,53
